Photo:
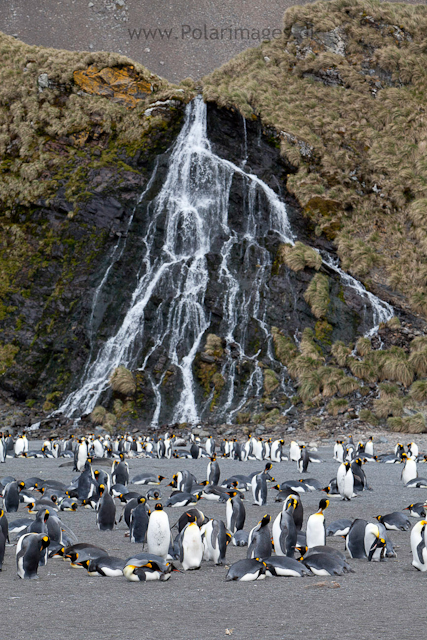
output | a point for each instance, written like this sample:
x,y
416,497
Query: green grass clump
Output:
x,y
341,352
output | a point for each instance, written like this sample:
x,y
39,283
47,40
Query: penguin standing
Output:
x,y
409,471
158,532
259,486
345,481
213,471
29,548
339,451
418,545
284,529
369,446
214,538
191,547
106,513
120,471
210,446
304,460
2,449
294,451
235,514
80,455
139,520
316,532
259,542
276,450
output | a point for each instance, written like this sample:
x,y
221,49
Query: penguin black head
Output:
x,y
101,489
2,513
141,500
277,486
73,506
323,504
160,478
268,466
265,520
378,518
21,486
158,506
54,498
213,458
45,542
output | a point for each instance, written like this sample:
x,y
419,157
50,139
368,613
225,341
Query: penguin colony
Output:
x,y
273,547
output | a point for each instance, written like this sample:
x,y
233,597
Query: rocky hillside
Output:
x,y
334,122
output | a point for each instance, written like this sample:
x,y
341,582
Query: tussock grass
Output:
x,y
337,405
385,407
397,367
418,390
122,381
358,145
98,414
341,352
408,424
271,381
284,347
367,416
300,256
363,346
317,295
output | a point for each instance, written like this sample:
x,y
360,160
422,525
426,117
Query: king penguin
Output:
x,y
409,471
418,545
213,471
284,529
345,480
191,547
316,532
259,542
29,548
158,532
235,514
106,514
215,541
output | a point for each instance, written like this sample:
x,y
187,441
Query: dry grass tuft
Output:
x,y
418,390
271,381
363,346
337,406
299,256
122,381
98,414
284,347
317,295
341,352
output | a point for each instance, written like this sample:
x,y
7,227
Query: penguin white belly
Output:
x,y
192,548
276,531
320,572
316,535
409,471
158,535
250,577
418,548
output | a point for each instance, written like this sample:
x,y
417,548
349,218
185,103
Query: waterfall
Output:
x,y
192,210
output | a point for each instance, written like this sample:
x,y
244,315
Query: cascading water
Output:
x,y
192,209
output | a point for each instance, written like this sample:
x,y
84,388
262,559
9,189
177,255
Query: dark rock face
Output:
x,y
61,329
